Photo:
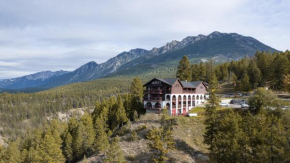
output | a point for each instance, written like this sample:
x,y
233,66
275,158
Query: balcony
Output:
x,y
188,92
153,91
153,99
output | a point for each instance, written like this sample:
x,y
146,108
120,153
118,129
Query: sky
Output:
x,y
40,35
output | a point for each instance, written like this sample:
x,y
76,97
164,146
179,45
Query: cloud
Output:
x,y
44,35
8,64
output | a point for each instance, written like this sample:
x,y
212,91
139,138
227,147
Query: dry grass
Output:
x,y
188,135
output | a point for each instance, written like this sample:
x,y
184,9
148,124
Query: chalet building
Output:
x,y
177,96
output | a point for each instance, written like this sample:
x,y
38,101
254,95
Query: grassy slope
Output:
x,y
188,135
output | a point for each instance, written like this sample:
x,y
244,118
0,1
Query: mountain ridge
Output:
x,y
218,46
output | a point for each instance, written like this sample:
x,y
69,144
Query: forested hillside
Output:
x,y
35,137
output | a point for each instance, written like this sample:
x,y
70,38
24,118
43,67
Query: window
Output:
x,y
201,87
177,85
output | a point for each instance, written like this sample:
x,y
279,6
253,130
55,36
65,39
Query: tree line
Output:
x,y
263,69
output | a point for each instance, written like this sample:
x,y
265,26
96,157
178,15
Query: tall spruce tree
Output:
x,y
211,121
184,69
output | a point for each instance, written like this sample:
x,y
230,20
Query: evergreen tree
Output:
x,y
286,82
226,147
245,83
202,71
78,141
137,88
49,149
88,135
162,143
211,121
254,73
11,154
102,140
195,72
280,67
184,69
121,117
115,153
67,146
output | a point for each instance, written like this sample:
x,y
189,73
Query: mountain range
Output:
x,y
218,46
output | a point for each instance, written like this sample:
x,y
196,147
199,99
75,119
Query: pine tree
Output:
x,y
136,88
49,148
121,117
286,82
226,147
202,71
67,146
161,144
115,153
281,67
11,154
195,72
245,83
254,73
78,141
89,134
211,121
184,69
102,140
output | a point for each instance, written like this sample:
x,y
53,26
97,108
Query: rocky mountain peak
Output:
x,y
138,50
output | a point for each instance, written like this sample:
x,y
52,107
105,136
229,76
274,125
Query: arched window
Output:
x,y
179,98
197,97
149,104
157,105
168,106
168,97
201,97
179,101
173,98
